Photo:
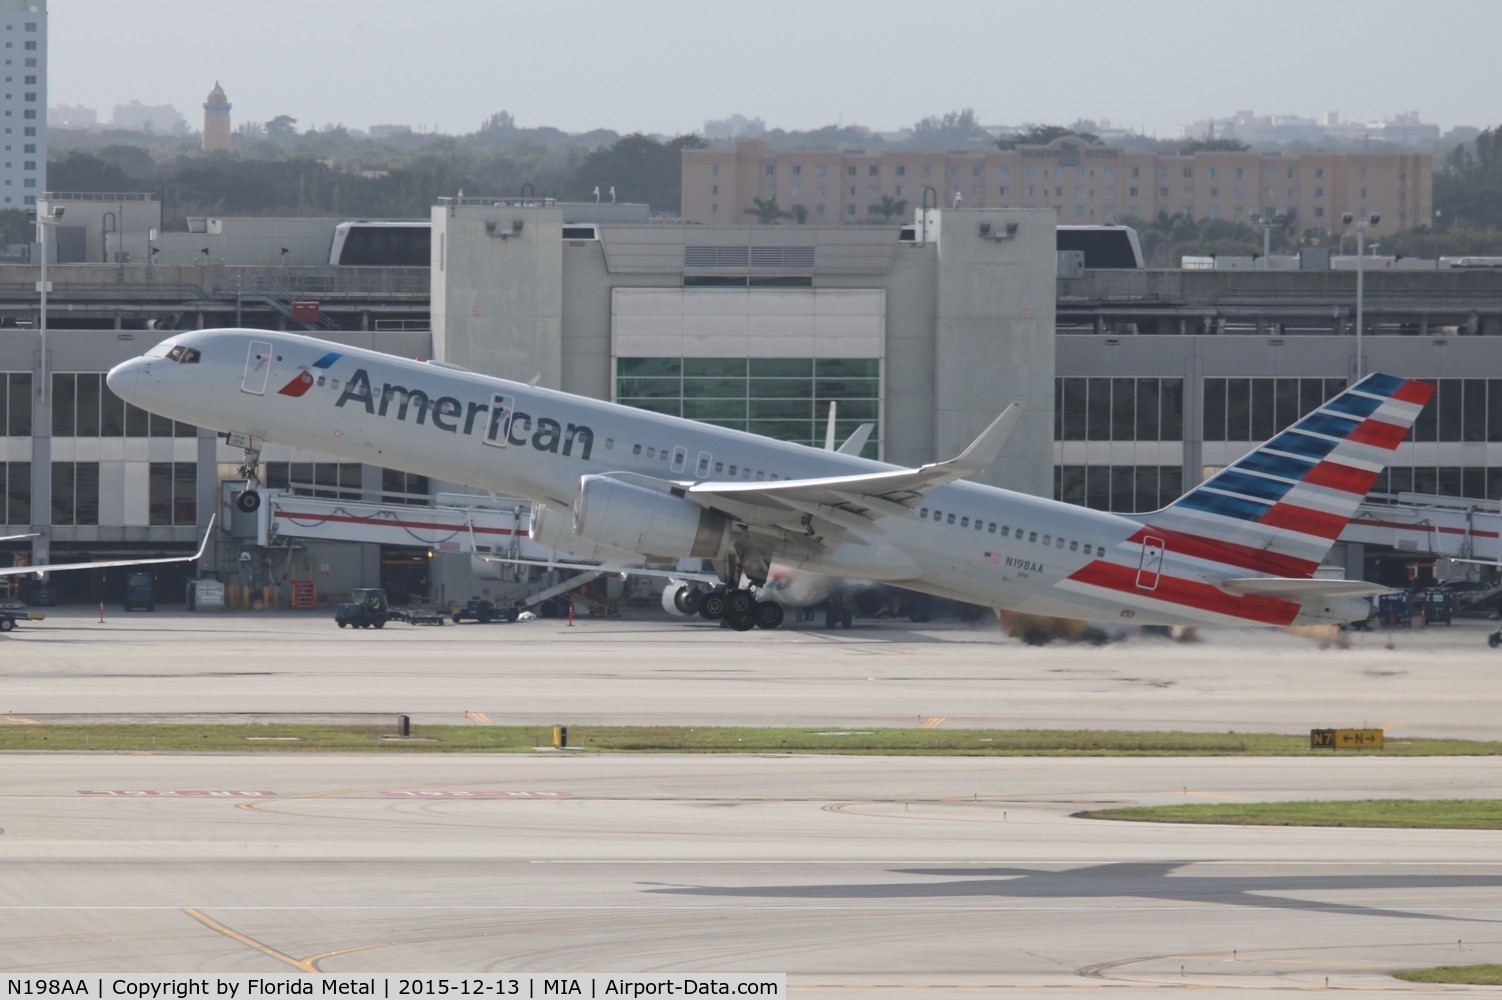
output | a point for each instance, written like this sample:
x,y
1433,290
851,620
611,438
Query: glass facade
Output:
x,y
783,398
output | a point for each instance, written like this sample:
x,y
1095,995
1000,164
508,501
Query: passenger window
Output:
x,y
1074,546
760,475
951,518
609,443
321,380
1005,531
1087,549
923,512
636,449
732,470
1032,536
746,473
964,522
991,528
651,452
1059,544
719,467
1046,539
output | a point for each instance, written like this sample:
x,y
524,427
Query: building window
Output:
x,y
75,493
173,492
15,405
797,169
1119,409
783,398
330,480
1254,409
900,170
403,487
821,170
15,493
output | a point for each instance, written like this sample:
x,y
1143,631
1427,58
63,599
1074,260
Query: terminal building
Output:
x,y
1136,383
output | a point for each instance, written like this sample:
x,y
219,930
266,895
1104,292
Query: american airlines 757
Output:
x,y
606,480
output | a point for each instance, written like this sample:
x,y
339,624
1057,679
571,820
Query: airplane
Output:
x,y
1239,549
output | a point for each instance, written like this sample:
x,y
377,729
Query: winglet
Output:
x,y
984,449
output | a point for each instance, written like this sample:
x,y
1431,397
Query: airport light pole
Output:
x,y
1278,221
45,219
1361,225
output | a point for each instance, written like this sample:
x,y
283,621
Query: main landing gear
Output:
x,y
249,501
739,609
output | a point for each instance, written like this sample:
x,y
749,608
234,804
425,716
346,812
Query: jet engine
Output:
x,y
679,598
624,516
554,530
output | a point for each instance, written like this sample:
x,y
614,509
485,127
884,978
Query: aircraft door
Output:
x,y
502,407
1151,566
257,368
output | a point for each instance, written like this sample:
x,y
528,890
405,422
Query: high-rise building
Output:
x,y
216,133
23,168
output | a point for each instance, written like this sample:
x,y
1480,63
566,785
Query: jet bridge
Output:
x,y
476,526
1443,527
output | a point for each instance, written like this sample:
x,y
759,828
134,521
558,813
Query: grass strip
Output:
x,y
1467,975
292,738
1415,814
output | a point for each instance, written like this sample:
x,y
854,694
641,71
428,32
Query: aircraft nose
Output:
x,y
122,379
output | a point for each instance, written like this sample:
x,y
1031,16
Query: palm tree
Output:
x,y
891,206
766,210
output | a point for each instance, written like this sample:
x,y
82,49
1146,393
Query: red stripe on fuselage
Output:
x,y
1341,477
1187,593
1217,550
1304,520
1379,433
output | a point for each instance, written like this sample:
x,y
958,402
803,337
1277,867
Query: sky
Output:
x,y
667,66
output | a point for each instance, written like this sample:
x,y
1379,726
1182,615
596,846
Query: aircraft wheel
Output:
x,y
742,623
341,624
248,502
6,624
739,602
1495,639
712,607
378,623
768,614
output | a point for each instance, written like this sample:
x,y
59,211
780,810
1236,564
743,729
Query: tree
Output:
x,y
281,128
766,210
640,168
1213,146
955,130
1042,135
890,206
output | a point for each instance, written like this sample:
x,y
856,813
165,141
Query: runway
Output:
x,y
857,877
656,670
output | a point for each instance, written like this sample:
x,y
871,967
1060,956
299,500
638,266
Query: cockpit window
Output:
x,y
176,353
190,356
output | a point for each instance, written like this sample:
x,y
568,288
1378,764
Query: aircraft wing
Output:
x,y
853,501
105,564
1301,589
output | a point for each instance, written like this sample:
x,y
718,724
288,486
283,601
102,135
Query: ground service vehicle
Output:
x,y
140,591
366,608
483,611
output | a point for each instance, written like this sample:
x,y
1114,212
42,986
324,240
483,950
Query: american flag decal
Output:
x,y
992,557
1027,313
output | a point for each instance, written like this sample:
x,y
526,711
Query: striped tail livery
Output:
x,y
1243,546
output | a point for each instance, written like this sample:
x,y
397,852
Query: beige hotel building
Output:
x,y
1081,183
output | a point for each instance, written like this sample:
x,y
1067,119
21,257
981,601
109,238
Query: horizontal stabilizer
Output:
x,y
1301,589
